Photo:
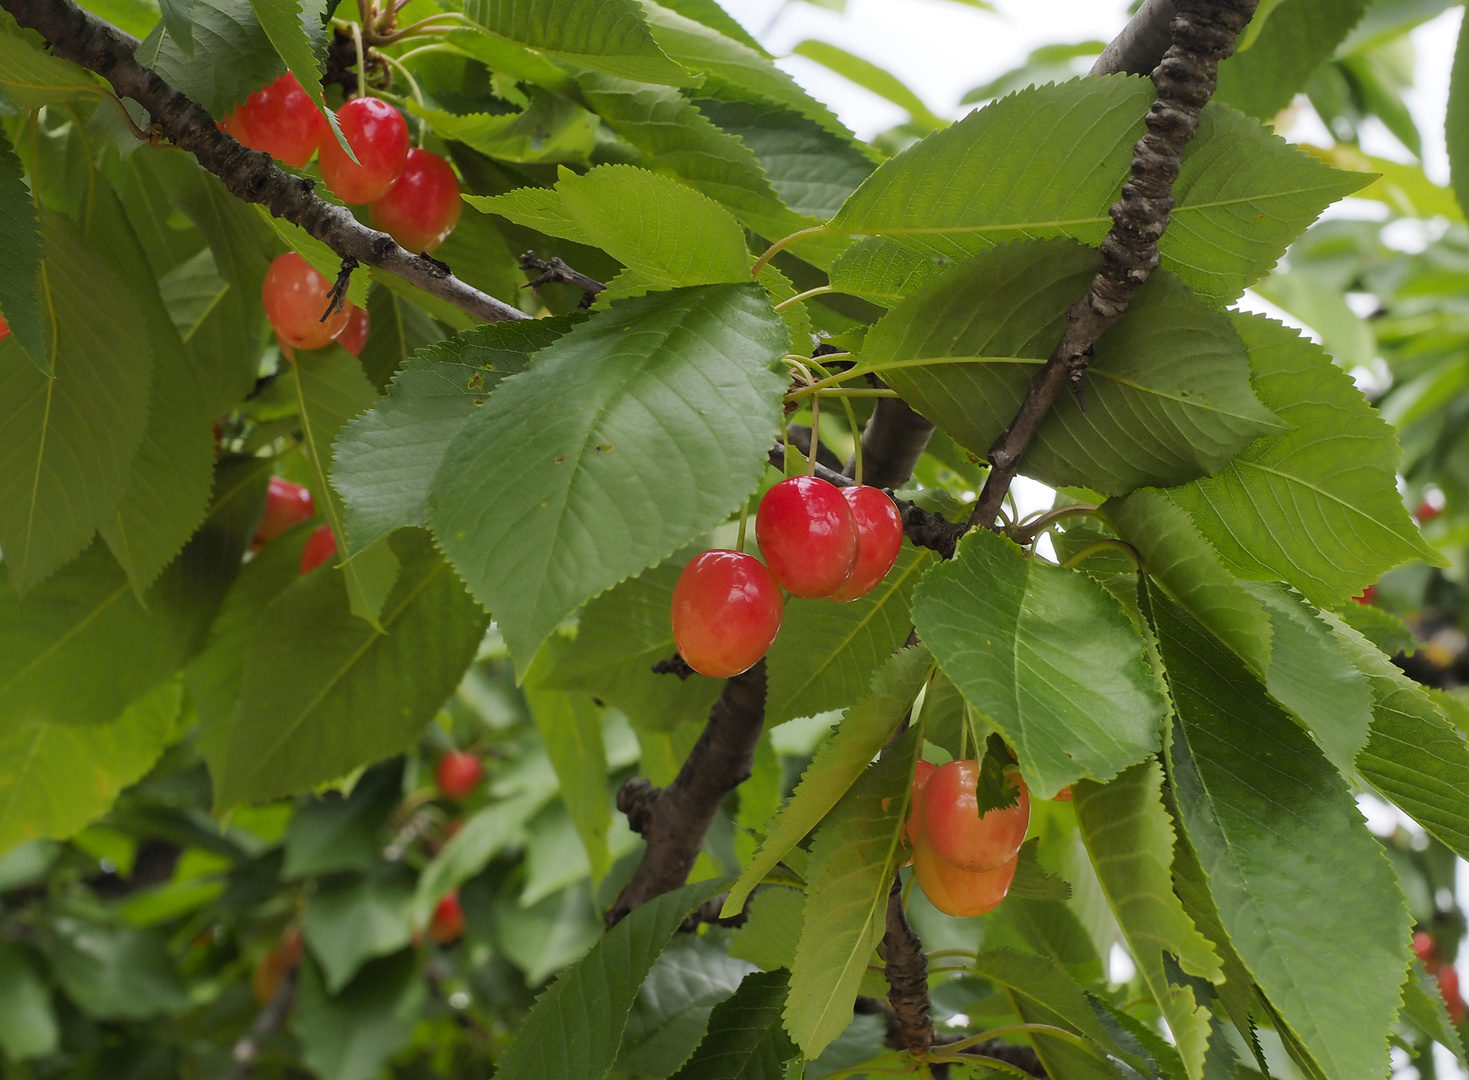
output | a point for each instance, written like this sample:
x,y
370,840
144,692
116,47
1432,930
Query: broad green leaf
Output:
x,y
712,15
1379,626
671,1012
32,78
1168,396
825,654
1456,120
543,938
399,329
770,935
387,456
179,23
745,1040
555,856
488,832
352,1035
1047,655
232,56
65,450
55,778
1281,56
1175,553
1031,881
116,973
562,484
571,729
341,832
28,1027
853,859
323,692
20,239
351,920
1423,1004
609,36
552,129
576,1026
839,763
1303,890
870,77
1317,506
1130,838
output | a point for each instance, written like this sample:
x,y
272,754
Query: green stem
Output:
x,y
1101,545
744,518
783,243
801,297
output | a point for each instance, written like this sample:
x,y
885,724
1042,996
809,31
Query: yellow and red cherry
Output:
x,y
955,891
727,609
286,504
808,536
422,208
295,295
922,772
880,538
353,337
281,120
458,774
953,825
447,924
320,546
378,135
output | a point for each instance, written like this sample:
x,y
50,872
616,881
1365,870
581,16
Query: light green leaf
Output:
x,y
116,973
1303,890
543,938
745,1040
546,499
232,56
1298,37
351,1036
551,129
870,77
1456,119
770,934
28,1027
555,856
1423,1004
1168,396
1317,506
571,729
349,921
32,78
1047,655
1130,838
20,239
838,764
609,36
487,833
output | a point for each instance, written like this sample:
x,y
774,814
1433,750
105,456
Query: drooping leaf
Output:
x,y
1423,1003
870,77
1281,56
1032,882
399,329
769,937
232,55
571,729
20,239
610,36
671,1012
116,972
745,1040
28,1027
551,129
351,920
352,1035
562,484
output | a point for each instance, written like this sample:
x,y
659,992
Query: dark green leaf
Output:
x,y
745,1040
352,920
20,239
339,832
1266,74
770,935
28,1027
672,1008
399,329
232,56
484,835
1032,882
993,790
352,1036
116,973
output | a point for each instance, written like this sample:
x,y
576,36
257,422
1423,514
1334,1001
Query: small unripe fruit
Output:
x,y
726,611
954,827
320,546
296,295
447,924
807,536
286,504
378,135
422,208
458,774
958,892
880,539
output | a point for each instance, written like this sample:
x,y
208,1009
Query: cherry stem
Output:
x,y
815,440
856,428
1103,545
1031,528
361,61
785,242
127,118
801,297
1022,1029
744,519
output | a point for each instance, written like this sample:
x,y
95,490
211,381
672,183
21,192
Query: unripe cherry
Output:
x,y
378,135
320,546
281,120
952,823
422,208
727,609
295,294
458,774
807,536
958,892
353,337
447,924
286,504
880,538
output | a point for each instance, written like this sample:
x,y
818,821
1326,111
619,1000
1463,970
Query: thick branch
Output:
x,y
907,974
1142,42
249,175
892,442
1203,35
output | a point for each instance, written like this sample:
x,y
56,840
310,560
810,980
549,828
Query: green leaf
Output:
x,y
65,451
232,56
572,515
839,763
1384,629
1168,396
825,654
1456,119
1130,838
20,239
351,1036
545,937
853,859
571,729
1423,1004
1263,77
1047,655
116,973
745,1040
179,24
671,1012
556,857
576,1026
349,921
399,329
870,77
1317,506
28,1027
55,778
609,36
1176,554
770,934
289,27
326,261
551,129
338,832
323,692
994,789
1304,891
32,78
1032,882
487,833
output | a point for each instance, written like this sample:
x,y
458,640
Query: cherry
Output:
x,y
295,294
320,546
378,135
281,120
921,774
726,611
1426,512
880,532
447,924
1448,986
458,774
275,965
354,335
1425,948
953,825
1064,795
955,891
422,208
286,504
1367,596
808,536
233,125
4,329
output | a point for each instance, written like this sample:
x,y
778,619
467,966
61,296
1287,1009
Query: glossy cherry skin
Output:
x,y
320,546
447,924
922,772
295,294
726,611
953,826
959,892
354,335
378,135
286,504
808,536
880,538
422,208
458,774
281,120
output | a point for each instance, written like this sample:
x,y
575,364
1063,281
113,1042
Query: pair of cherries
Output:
x,y
819,541
288,504
295,294
413,194
964,861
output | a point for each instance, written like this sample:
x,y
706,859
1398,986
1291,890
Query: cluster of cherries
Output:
x,y
1446,975
819,541
288,504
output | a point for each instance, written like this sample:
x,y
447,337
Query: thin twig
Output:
x,y
554,270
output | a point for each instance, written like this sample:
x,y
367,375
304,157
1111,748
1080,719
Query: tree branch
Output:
x,y
555,270
892,442
1203,34
249,175
906,969
1142,42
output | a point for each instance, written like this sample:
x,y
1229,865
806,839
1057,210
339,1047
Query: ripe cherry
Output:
x,y
286,504
422,208
4,329
378,135
921,774
458,774
807,535
1064,795
1448,986
281,120
295,294
1425,948
320,546
880,538
1367,596
726,612
1426,512
354,335
233,125
952,823
447,924
955,891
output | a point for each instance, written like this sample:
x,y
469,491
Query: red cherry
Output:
x,y
378,135
880,532
234,125
1368,595
959,892
422,208
726,612
281,120
4,329
921,774
354,335
807,535
1424,947
447,924
458,774
1064,795
1426,512
1448,986
295,295
320,546
286,504
952,822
